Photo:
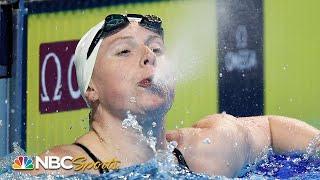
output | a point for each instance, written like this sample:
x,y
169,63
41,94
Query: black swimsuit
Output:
x,y
176,152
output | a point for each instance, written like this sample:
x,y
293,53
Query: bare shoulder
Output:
x,y
62,150
69,149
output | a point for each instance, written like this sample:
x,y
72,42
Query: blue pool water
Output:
x,y
292,166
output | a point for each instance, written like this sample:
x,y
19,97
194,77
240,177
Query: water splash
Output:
x,y
313,148
170,70
165,72
131,122
294,164
270,166
5,162
154,124
163,157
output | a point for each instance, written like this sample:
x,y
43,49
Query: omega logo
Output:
x,y
74,93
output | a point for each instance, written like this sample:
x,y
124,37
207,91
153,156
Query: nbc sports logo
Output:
x,y
49,162
22,163
55,162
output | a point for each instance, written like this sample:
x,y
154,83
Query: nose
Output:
x,y
148,59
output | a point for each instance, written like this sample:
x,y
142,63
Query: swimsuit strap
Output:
x,y
92,156
180,158
175,152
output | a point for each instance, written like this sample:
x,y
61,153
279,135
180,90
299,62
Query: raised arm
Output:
x,y
288,134
222,144
283,134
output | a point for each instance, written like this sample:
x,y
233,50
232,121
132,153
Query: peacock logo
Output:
x,y
22,163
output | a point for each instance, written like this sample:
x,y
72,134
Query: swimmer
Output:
x,y
116,62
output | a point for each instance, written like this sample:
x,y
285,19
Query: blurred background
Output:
x,y
242,57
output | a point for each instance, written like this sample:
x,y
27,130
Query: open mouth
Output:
x,y
152,87
145,83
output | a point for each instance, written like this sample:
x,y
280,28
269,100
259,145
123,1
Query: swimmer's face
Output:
x,y
123,72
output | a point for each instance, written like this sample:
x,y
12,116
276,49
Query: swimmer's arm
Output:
x,y
283,134
224,154
258,137
288,134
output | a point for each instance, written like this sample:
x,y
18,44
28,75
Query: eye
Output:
x,y
157,51
123,52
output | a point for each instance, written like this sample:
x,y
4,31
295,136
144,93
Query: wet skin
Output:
x,y
124,68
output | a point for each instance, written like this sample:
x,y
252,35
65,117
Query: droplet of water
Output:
x,y
131,121
235,144
6,101
228,164
285,67
154,124
220,75
150,133
146,176
207,141
12,111
313,147
132,100
296,161
171,145
152,141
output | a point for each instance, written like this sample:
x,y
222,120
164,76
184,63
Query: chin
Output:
x,y
151,103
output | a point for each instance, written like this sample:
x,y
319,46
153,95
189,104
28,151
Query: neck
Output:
x,y
128,141
152,124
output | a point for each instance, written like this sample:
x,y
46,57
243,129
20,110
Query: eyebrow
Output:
x,y
151,37
121,38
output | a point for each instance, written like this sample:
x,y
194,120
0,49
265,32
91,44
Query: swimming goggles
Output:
x,y
115,22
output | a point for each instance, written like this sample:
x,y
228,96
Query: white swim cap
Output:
x,y
84,66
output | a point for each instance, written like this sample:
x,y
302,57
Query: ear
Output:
x,y
91,94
